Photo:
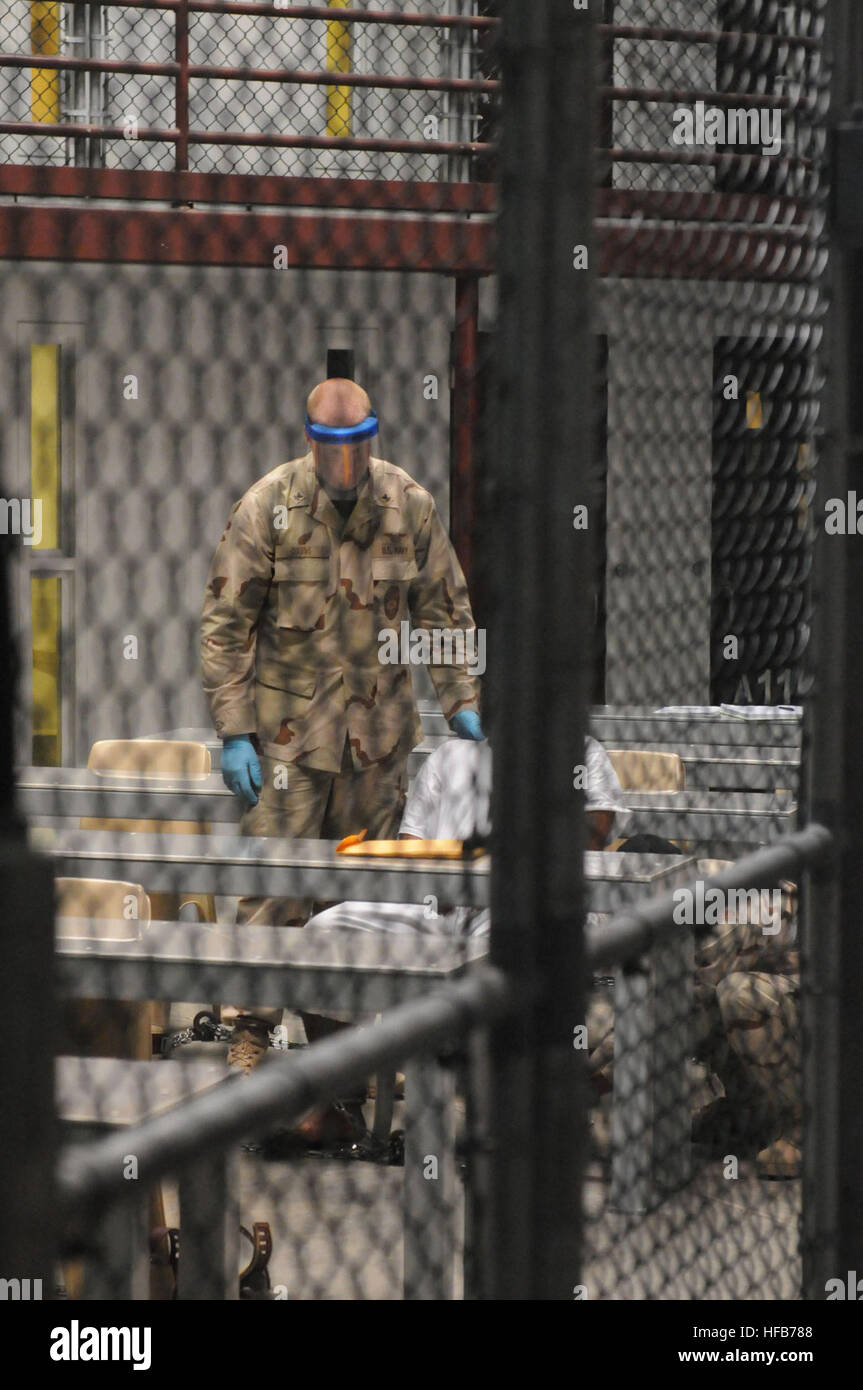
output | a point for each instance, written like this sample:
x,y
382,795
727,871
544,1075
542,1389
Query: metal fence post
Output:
x,y
28,1235
181,88
833,1035
541,573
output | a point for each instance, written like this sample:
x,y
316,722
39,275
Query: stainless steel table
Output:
x,y
715,771
271,967
260,866
720,749
635,726
263,866
716,824
75,792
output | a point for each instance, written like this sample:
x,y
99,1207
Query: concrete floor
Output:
x,y
337,1234
716,1239
337,1228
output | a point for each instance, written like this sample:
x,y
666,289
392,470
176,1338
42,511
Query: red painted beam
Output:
x,y
169,186
356,195
181,237
322,241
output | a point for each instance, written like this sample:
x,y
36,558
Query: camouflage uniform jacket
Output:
x,y
295,601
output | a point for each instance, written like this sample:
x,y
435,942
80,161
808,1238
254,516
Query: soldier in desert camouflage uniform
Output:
x,y
318,557
747,1031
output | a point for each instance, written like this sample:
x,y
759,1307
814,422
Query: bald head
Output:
x,y
341,466
338,402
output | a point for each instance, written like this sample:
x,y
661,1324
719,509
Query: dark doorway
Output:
x,y
761,536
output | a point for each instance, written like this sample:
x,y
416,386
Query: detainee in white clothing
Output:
x,y
451,800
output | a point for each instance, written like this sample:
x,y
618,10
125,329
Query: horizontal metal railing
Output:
x,y
223,72
93,1173
176,64
410,19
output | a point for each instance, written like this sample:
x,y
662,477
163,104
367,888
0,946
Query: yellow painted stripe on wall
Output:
x,y
339,45
45,610
45,38
45,438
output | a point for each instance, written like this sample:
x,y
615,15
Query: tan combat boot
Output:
x,y
249,1044
781,1159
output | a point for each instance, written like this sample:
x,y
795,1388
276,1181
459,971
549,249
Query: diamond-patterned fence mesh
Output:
x,y
253,89
371,411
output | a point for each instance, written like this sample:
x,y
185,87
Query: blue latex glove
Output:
x,y
241,770
466,724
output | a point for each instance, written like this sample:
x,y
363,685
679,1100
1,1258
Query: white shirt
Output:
x,y
451,796
603,791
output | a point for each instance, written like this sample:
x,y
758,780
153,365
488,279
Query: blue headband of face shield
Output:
x,y
343,434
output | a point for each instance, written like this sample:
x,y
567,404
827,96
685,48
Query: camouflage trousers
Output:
x,y
318,806
747,1031
750,1038
747,1018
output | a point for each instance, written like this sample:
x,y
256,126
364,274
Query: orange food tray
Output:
x,y
406,849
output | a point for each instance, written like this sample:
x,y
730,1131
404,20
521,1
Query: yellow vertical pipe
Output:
x,y
46,589
339,44
45,38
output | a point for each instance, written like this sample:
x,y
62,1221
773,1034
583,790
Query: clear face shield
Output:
x,y
342,454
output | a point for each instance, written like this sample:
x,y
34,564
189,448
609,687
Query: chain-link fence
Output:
x,y
710,304
273,89
330,1007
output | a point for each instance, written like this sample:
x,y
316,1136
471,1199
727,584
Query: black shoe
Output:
x,y
721,1129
